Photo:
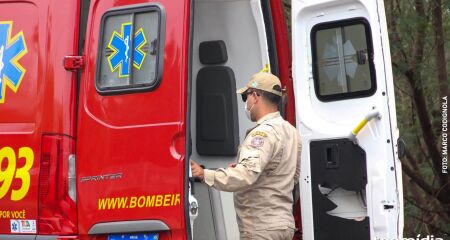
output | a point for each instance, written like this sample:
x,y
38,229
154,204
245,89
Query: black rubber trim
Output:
x,y
349,95
84,14
136,88
270,34
188,143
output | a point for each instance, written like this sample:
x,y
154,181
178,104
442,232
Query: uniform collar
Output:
x,y
268,117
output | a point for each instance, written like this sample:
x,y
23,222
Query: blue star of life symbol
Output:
x,y
120,45
14,227
11,50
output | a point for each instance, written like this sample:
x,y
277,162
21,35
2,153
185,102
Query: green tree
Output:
x,y
419,49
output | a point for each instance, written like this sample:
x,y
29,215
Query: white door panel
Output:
x,y
342,72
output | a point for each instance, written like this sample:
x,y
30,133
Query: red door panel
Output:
x,y
131,145
36,97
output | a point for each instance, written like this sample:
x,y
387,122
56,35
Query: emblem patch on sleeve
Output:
x,y
259,133
257,142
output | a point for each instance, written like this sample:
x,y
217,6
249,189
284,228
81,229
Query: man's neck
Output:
x,y
264,112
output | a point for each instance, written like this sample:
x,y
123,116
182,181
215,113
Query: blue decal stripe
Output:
x,y
120,45
11,51
139,55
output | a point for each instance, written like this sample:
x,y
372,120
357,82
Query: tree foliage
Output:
x,y
419,49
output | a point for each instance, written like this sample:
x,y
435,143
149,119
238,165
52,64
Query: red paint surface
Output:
x,y
141,135
45,99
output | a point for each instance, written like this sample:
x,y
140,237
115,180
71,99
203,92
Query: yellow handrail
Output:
x,y
371,115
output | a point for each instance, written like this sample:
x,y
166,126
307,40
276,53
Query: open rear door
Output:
x,y
131,136
351,177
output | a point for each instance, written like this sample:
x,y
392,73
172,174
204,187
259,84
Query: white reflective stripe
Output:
x,y
72,181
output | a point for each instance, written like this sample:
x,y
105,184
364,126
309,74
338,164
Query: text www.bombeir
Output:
x,y
149,201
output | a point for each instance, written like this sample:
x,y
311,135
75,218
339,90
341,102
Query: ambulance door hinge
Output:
x,y
73,63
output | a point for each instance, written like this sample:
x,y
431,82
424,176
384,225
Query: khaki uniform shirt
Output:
x,y
268,166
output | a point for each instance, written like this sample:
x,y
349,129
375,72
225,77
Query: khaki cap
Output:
x,y
263,81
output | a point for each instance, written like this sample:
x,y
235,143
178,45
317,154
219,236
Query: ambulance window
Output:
x,y
343,60
130,50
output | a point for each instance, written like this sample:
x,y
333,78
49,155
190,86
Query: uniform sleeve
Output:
x,y
254,155
299,155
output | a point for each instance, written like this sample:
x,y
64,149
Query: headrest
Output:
x,y
213,52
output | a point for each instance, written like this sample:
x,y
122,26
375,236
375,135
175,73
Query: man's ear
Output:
x,y
258,97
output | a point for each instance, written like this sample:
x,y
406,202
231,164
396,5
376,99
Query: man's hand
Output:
x,y
232,165
197,170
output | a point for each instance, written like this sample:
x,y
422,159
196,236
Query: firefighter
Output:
x,y
267,165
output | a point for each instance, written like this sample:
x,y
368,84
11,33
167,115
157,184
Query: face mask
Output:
x,y
248,111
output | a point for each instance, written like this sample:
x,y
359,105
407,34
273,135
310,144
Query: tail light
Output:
x,y
57,190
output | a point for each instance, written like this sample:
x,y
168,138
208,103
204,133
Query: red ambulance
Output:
x,y
103,103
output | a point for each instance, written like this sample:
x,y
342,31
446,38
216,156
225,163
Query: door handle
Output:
x,y
332,156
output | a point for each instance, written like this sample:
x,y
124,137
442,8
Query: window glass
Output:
x,y
129,51
342,58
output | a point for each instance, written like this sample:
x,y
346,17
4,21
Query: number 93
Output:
x,y
11,172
